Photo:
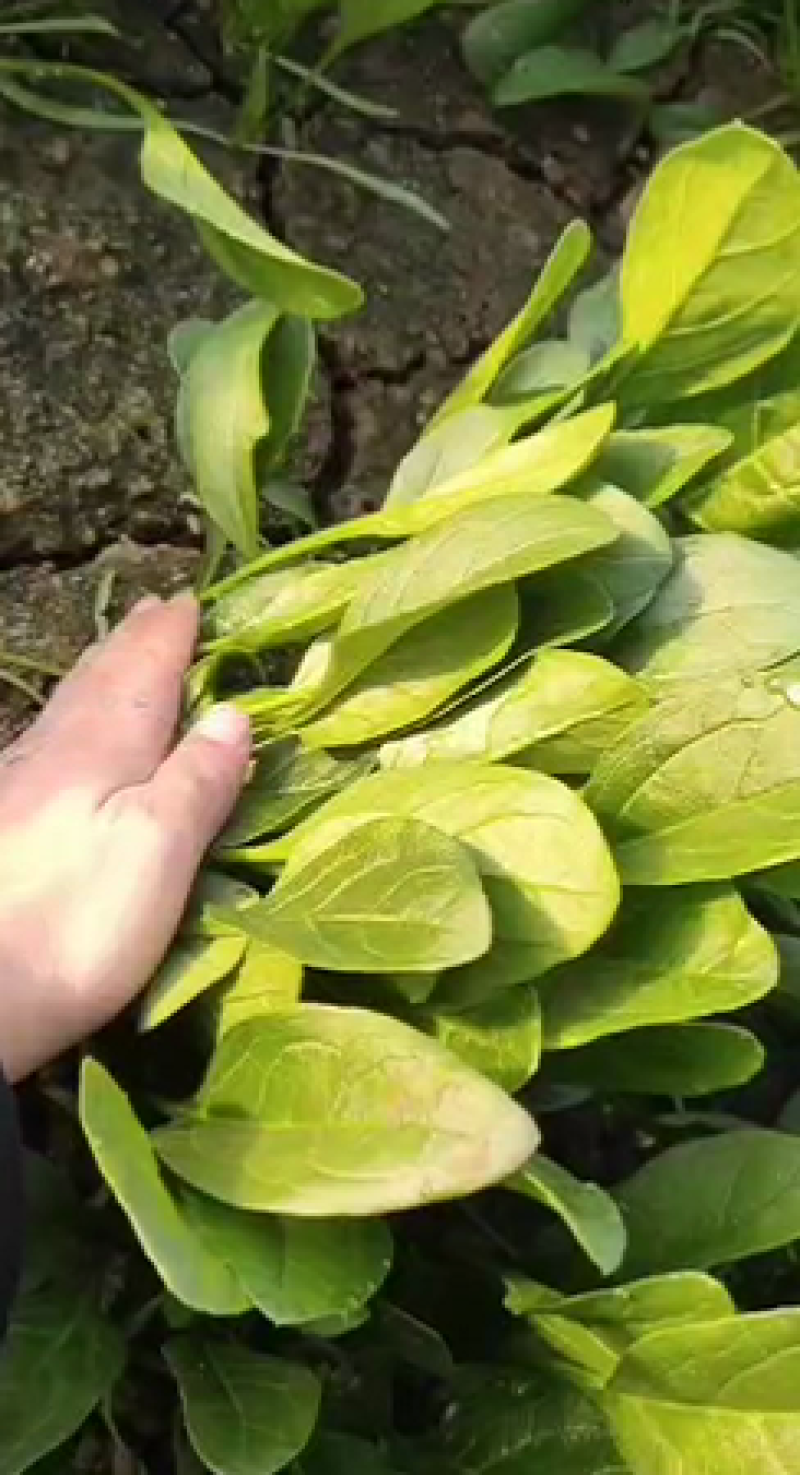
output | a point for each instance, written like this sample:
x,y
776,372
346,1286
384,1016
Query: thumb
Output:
x,y
195,789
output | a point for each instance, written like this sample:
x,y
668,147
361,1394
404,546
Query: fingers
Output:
x,y
112,720
196,787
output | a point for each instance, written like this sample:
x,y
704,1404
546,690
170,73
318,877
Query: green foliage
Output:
x,y
521,841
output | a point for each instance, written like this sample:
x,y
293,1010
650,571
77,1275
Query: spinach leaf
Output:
x,y
743,1199
561,711
588,1211
420,671
544,863
682,1060
245,1413
192,1273
501,1038
294,1270
728,296
393,894
728,605
704,954
61,1358
594,1330
717,1396
325,1111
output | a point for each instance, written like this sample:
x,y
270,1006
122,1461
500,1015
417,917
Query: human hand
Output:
x,y
102,828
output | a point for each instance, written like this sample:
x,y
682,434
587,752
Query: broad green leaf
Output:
x,y
545,866
222,416
738,1192
632,570
288,780
589,1212
421,671
718,1397
190,968
266,982
594,322
698,952
213,889
358,22
717,229
501,1038
342,1454
554,364
643,46
122,1151
413,1342
244,250
295,1270
474,550
60,1359
393,894
655,464
758,496
503,1421
184,340
325,1112
563,702
500,33
567,258
728,605
563,71
594,1330
451,447
287,366
672,123
706,788
535,466
672,1060
254,259
295,501
284,607
560,607
245,1413
57,1224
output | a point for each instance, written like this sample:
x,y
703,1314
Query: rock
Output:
x,y
94,272
48,614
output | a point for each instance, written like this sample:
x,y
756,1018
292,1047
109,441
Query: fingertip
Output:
x,y
225,725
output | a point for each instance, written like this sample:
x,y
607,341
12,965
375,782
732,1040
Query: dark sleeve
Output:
x,y
11,1201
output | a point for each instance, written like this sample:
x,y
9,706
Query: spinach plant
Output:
x,y
521,845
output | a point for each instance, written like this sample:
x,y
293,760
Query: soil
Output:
x,y
94,272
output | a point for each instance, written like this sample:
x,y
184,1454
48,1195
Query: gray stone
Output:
x,y
94,273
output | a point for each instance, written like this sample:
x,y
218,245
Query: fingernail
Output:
x,y
225,724
184,596
148,601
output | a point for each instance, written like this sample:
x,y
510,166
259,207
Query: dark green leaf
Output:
x,y
699,952
673,1060
295,1270
245,1414
645,45
560,71
287,782
501,1038
589,1212
60,1359
738,1195
125,1158
499,34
